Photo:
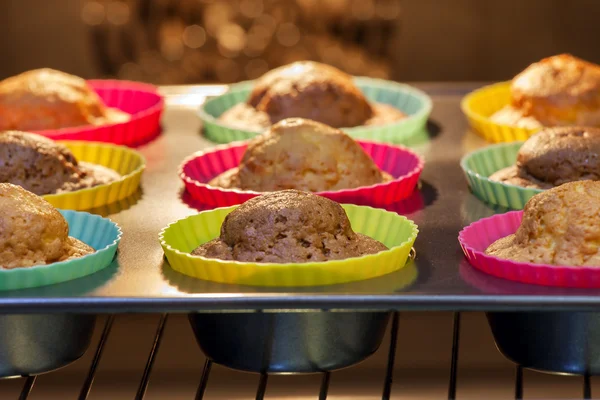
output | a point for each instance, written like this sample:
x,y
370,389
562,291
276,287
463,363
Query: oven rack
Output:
x,y
387,381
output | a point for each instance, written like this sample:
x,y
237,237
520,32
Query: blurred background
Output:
x,y
196,41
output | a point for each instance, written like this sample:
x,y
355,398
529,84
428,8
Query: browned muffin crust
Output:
x,y
308,90
555,156
288,226
302,154
48,99
560,226
32,232
559,90
514,175
559,155
43,166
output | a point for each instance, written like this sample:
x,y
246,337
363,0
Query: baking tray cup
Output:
x,y
480,164
127,162
100,233
32,344
475,239
142,101
404,165
548,341
413,102
481,104
393,230
291,342
564,342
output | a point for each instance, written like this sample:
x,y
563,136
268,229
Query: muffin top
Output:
x,y
560,226
310,90
43,166
36,163
306,155
558,90
288,226
564,154
33,232
47,99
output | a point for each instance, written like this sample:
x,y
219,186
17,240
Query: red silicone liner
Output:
x,y
404,165
142,101
475,239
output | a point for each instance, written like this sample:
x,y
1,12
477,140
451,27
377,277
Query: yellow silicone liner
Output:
x,y
482,103
395,231
127,162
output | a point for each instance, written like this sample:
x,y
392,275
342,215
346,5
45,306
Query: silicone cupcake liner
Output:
x,y
404,165
142,101
127,162
475,239
480,164
100,233
481,104
413,102
393,230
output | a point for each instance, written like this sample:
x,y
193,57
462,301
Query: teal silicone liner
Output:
x,y
100,233
413,102
482,163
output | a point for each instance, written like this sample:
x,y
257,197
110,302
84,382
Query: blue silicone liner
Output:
x,y
100,233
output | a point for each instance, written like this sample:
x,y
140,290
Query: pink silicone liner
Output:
x,y
404,165
475,239
142,101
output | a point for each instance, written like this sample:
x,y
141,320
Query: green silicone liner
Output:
x,y
100,233
482,163
410,100
395,231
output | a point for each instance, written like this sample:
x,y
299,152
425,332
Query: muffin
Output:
x,y
555,156
305,155
288,226
33,232
43,166
44,99
557,91
308,90
560,226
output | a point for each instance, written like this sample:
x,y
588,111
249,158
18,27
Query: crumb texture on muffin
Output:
x,y
288,226
48,99
302,154
311,90
32,232
561,90
560,226
43,166
555,156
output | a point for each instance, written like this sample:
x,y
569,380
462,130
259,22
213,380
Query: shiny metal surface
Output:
x,y
32,344
301,342
561,342
142,281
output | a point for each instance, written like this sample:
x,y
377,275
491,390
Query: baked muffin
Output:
x,y
556,91
43,166
44,99
32,232
555,156
308,90
288,226
305,155
560,226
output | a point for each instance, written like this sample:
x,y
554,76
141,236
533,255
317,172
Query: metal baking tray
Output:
x,y
140,280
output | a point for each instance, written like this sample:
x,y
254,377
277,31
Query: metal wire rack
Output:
x,y
263,379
